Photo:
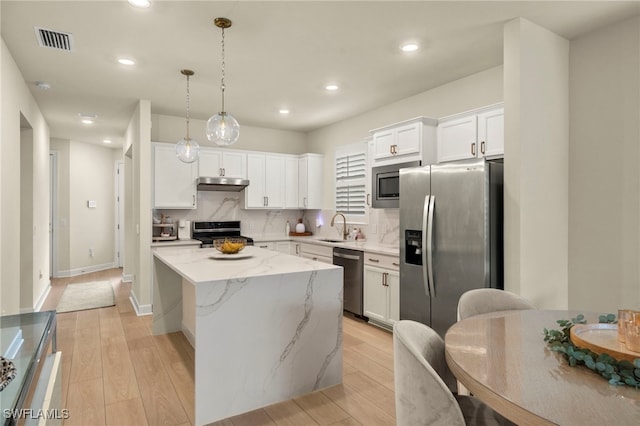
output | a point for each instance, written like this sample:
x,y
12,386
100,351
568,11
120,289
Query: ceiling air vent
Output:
x,y
54,39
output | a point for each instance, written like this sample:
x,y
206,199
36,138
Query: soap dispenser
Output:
x,y
287,229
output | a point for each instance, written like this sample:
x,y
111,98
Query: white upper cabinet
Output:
x,y
266,181
174,182
222,163
284,181
478,133
491,133
291,184
310,179
410,140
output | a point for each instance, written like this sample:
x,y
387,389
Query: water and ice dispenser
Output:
x,y
413,247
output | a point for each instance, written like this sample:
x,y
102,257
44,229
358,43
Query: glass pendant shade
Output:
x,y
187,150
223,129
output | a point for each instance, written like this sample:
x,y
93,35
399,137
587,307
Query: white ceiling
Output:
x,y
278,54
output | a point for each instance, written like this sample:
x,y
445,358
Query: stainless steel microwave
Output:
x,y
385,184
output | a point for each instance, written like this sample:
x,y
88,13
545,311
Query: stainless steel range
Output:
x,y
206,232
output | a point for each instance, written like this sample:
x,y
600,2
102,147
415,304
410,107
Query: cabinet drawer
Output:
x,y
320,250
318,258
381,261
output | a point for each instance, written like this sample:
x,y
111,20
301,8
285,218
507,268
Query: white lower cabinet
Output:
x,y
319,253
279,246
381,289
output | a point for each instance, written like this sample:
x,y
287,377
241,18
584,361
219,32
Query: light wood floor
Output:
x,y
115,372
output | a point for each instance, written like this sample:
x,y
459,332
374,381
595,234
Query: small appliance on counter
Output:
x,y
206,232
184,230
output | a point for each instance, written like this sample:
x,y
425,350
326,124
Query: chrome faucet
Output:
x,y
345,233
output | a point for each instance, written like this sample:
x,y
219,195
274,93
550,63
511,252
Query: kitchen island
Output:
x,y
266,326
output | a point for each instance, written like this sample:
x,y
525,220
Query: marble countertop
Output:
x,y
175,243
199,265
367,245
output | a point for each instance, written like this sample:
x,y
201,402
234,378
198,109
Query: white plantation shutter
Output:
x,y
351,177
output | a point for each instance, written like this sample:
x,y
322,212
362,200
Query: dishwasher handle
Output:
x,y
346,256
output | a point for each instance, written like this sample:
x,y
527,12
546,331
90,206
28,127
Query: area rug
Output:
x,y
81,296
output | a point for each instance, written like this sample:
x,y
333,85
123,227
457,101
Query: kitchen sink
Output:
x,y
329,240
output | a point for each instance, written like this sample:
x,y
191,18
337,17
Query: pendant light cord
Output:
x,y
188,138
222,86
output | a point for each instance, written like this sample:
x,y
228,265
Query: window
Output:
x,y
351,182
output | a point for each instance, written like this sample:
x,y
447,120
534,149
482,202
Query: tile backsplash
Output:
x,y
383,225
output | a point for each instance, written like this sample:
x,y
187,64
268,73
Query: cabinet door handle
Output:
x,y
368,199
314,258
223,171
395,263
304,202
297,249
473,149
194,200
482,144
390,149
267,201
264,247
220,171
374,260
384,279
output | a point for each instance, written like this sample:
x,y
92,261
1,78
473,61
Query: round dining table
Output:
x,y
503,360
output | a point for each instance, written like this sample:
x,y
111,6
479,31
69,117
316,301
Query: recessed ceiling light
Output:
x,y
107,141
284,111
126,61
409,47
87,118
331,87
139,3
42,85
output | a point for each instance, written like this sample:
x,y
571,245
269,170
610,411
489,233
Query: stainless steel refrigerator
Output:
x,y
450,237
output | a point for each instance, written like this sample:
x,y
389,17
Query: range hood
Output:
x,y
222,184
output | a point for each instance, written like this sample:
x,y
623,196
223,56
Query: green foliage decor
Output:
x,y
616,372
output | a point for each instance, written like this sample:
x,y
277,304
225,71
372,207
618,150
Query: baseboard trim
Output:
x,y
140,309
79,271
42,298
189,335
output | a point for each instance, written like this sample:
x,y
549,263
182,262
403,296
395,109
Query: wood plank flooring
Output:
x,y
115,372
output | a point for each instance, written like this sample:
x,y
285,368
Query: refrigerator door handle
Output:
x,y
425,222
432,208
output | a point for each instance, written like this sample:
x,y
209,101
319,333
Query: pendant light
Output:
x,y
187,149
223,128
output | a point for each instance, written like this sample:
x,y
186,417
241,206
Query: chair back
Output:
x,y
422,397
485,300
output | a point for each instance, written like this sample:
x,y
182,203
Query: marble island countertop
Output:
x,y
201,265
265,328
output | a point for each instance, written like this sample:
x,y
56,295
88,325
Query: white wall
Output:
x,y
536,88
61,226
477,90
85,172
17,99
171,129
138,206
604,169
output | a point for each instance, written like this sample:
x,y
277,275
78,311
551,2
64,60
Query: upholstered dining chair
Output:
x,y
485,300
422,396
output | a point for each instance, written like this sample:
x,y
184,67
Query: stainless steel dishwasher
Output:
x,y
352,262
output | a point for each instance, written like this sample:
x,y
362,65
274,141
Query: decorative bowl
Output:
x,y
7,372
230,245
